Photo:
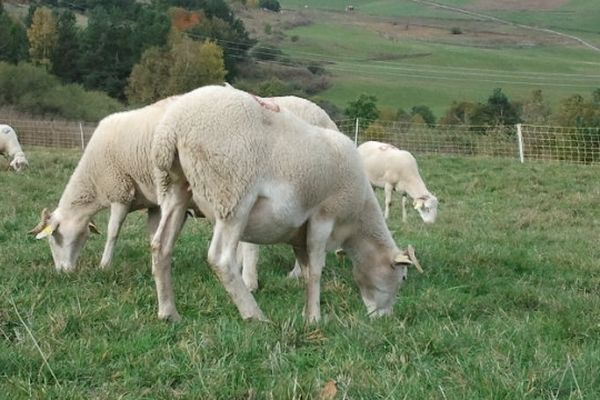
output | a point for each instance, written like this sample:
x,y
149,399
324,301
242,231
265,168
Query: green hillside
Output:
x,y
406,54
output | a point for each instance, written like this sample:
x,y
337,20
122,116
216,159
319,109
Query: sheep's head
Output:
x,y
66,236
19,162
380,279
427,208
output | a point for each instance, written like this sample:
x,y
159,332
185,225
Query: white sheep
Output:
x,y
314,115
10,147
268,177
396,170
115,171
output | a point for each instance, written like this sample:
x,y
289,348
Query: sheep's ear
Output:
x,y
93,228
408,258
47,231
402,259
43,228
418,204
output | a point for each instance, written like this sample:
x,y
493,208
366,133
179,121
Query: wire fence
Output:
x,y
520,142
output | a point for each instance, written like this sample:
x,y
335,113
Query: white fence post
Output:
x,y
356,133
520,138
82,138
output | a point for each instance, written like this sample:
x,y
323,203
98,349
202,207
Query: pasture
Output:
x,y
508,306
406,54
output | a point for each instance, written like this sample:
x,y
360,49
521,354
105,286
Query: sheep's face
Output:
x,y
427,208
66,236
380,280
19,162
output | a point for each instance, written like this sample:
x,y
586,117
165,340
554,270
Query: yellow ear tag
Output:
x,y
47,231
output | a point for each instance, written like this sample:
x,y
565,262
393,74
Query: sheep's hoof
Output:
x,y
259,318
171,318
252,285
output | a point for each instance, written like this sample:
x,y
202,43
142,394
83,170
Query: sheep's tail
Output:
x,y
164,152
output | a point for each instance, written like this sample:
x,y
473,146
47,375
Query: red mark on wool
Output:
x,y
269,105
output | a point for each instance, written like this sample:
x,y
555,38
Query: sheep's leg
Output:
x,y
118,212
249,261
388,189
319,231
403,207
173,208
222,256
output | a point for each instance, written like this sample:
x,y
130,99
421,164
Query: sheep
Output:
x,y
396,170
314,115
114,171
10,147
267,176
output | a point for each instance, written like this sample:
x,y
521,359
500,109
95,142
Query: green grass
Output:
x,y
508,306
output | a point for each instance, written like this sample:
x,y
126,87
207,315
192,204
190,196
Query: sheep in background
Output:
x,y
10,147
268,177
396,170
114,171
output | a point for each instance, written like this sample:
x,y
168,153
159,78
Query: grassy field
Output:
x,y
508,306
405,53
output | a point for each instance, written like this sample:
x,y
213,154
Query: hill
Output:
x,y
416,52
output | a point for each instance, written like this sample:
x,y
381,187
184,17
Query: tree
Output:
x,y
536,110
148,80
195,64
497,111
364,108
184,66
43,36
596,97
272,5
13,45
425,113
114,41
459,113
66,53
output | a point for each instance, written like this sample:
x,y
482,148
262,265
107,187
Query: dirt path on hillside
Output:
x,y
488,17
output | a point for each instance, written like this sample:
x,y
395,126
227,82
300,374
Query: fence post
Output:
x,y
520,138
82,138
356,133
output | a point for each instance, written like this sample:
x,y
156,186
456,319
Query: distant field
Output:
x,y
508,306
405,53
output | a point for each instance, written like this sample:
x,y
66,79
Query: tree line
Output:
x,y
114,46
497,110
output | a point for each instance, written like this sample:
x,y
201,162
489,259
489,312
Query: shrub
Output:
x,y
272,5
33,90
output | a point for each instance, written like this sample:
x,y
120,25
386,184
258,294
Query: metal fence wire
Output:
x,y
520,142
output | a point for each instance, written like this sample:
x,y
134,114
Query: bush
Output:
x,y
456,30
272,5
33,90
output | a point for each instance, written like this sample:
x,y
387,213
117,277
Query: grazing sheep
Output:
x,y
306,110
10,147
114,171
268,177
396,170
314,115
